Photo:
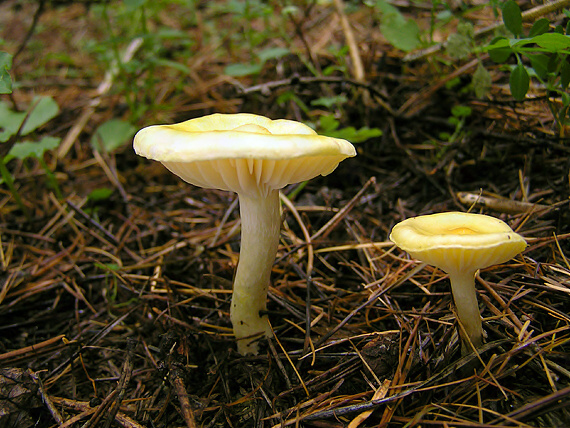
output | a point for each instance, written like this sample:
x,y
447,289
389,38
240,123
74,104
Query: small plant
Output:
x,y
459,115
546,49
112,134
14,125
125,24
402,33
329,126
255,67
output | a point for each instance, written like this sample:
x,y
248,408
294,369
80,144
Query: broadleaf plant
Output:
x,y
15,124
542,54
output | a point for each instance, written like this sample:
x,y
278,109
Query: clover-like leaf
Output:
x,y
519,82
28,149
481,81
512,17
112,134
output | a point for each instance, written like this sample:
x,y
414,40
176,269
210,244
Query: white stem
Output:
x,y
260,225
465,298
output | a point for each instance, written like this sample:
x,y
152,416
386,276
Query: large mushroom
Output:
x,y
460,244
253,156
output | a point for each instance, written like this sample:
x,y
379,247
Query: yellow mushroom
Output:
x,y
460,244
253,156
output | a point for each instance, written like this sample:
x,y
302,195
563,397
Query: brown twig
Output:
x,y
177,381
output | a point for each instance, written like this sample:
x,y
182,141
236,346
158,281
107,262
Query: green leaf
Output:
x,y
10,121
328,123
166,33
289,10
43,110
171,64
458,46
539,63
134,4
240,70
272,53
107,266
403,36
512,17
565,75
453,121
329,102
499,50
539,27
291,96
101,194
461,111
553,42
402,33
112,134
466,28
519,82
5,78
481,81
27,149
328,126
355,135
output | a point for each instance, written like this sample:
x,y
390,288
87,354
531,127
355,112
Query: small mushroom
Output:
x,y
255,157
460,244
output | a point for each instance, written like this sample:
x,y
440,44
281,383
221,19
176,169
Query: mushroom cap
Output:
x,y
244,153
458,242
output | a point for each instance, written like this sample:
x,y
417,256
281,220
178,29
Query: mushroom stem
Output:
x,y
465,298
260,225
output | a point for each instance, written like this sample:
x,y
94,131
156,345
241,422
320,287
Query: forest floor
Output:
x,y
116,276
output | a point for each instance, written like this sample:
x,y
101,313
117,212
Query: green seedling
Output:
x,y
329,126
541,54
401,32
255,67
161,48
459,115
112,134
35,150
14,125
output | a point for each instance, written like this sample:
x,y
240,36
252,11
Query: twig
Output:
x,y
176,379
310,251
84,406
100,412
46,398
29,349
358,68
500,204
533,407
329,226
267,87
123,382
436,378
92,222
100,335
419,101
